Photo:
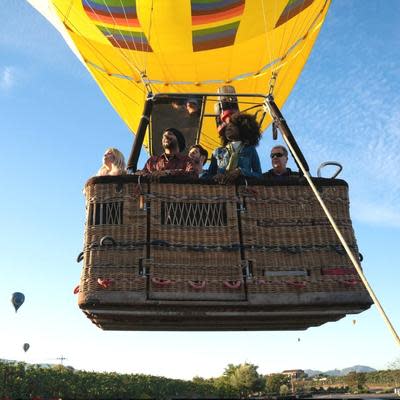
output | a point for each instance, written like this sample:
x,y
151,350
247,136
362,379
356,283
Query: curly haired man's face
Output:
x,y
232,133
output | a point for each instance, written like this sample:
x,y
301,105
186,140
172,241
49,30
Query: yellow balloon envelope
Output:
x,y
132,47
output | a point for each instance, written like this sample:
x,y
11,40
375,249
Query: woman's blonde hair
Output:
x,y
119,159
118,164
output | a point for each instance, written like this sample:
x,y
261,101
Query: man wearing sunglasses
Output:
x,y
279,159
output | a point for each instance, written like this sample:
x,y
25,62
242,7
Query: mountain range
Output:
x,y
340,372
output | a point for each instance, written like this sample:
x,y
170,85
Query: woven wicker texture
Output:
x,y
197,242
194,224
289,239
115,241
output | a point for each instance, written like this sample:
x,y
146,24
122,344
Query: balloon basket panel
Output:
x,y
190,255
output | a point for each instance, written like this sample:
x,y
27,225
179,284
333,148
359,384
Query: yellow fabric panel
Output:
x,y
266,39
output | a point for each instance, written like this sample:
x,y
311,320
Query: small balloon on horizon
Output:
x,y
26,347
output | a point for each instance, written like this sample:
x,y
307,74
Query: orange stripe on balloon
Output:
x,y
113,20
204,19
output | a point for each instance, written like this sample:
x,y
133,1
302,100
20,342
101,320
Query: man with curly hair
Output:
x,y
238,155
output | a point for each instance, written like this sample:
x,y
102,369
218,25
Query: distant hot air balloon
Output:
x,y
26,347
17,299
354,321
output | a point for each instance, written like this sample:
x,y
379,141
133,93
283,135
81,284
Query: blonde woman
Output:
x,y
113,163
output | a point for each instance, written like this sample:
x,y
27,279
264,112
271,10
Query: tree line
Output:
x,y
27,381
20,380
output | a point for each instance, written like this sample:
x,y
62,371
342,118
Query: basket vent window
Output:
x,y
105,213
193,214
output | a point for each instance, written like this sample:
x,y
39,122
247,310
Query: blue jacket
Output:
x,y
248,162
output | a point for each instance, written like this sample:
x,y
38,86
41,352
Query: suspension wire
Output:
x,y
118,46
146,57
100,55
342,240
268,44
310,24
134,64
68,11
296,28
285,30
130,32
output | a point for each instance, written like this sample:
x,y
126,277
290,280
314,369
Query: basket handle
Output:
x,y
80,257
161,282
233,284
197,284
296,284
105,283
109,239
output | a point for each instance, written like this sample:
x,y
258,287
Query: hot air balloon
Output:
x,y
26,347
134,48
17,299
183,255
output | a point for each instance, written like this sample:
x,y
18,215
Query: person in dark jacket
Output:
x,y
279,159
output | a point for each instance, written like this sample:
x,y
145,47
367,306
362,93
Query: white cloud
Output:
x,y
7,78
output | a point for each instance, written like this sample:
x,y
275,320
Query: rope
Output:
x,y
291,249
342,241
267,223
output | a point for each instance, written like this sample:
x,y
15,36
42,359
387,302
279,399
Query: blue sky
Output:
x,y
55,126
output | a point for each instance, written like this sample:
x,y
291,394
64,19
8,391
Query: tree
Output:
x,y
275,381
244,378
395,364
284,390
355,381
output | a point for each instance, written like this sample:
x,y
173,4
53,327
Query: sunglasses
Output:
x,y
279,155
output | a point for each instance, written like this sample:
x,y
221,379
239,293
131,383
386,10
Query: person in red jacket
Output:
x,y
171,162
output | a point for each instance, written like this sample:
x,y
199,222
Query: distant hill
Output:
x,y
312,372
340,372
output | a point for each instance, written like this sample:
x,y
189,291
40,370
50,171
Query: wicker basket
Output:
x,y
195,255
